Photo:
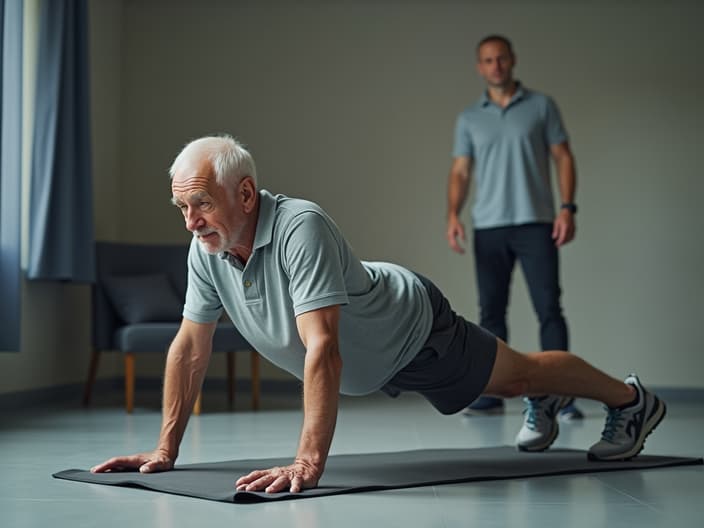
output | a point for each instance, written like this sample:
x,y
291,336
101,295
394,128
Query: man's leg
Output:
x,y
539,258
633,411
494,263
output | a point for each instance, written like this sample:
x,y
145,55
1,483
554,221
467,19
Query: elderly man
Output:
x,y
288,279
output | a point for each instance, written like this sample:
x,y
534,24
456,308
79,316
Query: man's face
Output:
x,y
209,212
495,64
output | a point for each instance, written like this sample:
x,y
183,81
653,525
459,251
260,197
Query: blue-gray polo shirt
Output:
x,y
301,262
510,149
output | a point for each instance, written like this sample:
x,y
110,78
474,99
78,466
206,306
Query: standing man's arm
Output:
x,y
564,225
457,190
186,364
321,385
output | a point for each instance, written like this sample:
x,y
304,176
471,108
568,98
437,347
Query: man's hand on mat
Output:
x,y
299,475
145,462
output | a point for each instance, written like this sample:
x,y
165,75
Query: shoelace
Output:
x,y
532,413
614,421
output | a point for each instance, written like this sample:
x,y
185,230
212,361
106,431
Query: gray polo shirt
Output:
x,y
301,262
510,148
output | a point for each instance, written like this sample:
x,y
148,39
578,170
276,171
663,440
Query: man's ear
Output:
x,y
247,193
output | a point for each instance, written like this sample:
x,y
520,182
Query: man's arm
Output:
x,y
321,385
186,364
457,189
564,226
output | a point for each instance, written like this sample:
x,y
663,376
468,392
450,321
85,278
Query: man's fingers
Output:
x,y
154,465
250,477
559,233
118,463
256,480
454,243
296,484
144,462
274,480
280,484
261,483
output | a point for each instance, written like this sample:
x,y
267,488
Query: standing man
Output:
x,y
506,140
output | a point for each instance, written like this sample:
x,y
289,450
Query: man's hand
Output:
x,y
563,228
144,462
455,234
293,478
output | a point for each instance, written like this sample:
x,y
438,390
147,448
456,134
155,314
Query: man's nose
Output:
x,y
193,219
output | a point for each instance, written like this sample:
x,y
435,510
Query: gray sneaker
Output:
x,y
627,428
540,425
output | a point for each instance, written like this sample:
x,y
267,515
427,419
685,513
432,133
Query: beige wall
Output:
x,y
352,104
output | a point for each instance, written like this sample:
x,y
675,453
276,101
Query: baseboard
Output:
x,y
73,393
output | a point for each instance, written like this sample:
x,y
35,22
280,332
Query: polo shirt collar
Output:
x,y
485,101
265,225
265,222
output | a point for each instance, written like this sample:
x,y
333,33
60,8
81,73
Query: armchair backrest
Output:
x,y
116,258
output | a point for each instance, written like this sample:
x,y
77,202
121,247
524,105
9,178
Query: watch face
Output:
x,y
572,208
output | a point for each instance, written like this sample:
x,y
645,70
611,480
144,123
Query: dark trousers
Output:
x,y
496,251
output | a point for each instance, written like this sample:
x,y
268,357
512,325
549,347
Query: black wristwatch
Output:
x,y
571,207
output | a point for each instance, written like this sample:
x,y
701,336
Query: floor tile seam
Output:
x,y
626,494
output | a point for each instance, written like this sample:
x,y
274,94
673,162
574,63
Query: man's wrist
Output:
x,y
569,206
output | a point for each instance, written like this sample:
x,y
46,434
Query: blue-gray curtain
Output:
x,y
10,172
61,245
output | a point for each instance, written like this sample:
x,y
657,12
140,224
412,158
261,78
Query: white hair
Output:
x,y
230,160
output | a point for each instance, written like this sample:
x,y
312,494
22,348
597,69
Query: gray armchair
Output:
x,y
137,301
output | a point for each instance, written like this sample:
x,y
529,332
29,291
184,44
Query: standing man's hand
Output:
x,y
456,234
152,462
457,188
299,475
563,228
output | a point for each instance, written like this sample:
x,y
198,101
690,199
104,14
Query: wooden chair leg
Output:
x,y
231,371
198,404
255,380
92,371
129,381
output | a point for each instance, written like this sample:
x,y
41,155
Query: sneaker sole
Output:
x,y
543,446
551,439
649,427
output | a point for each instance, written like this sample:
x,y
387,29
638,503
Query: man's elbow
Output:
x,y
325,352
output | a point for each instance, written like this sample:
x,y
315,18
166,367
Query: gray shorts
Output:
x,y
454,365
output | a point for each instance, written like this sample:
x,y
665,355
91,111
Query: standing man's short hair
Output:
x,y
495,38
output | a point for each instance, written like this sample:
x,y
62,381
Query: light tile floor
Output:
x,y
35,443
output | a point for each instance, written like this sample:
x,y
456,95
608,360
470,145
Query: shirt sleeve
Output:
x,y
554,129
203,303
312,258
463,140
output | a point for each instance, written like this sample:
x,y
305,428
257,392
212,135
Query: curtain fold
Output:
x,y
10,172
61,233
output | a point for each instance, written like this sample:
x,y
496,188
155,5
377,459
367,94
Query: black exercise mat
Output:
x,y
374,471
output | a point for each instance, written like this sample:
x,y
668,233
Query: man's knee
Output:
x,y
511,374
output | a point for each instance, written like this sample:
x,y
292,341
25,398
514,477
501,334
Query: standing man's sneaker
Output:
x,y
627,427
540,425
571,413
485,405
